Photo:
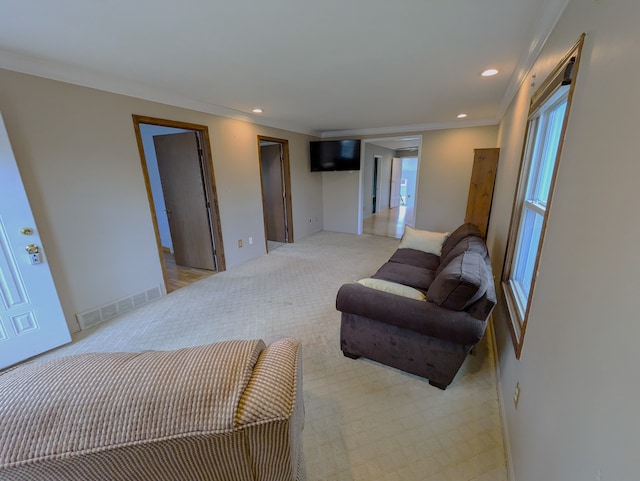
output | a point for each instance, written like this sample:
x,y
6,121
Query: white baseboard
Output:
x,y
501,406
99,314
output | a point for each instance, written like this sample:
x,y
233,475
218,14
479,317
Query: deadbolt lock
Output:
x,y
32,248
26,231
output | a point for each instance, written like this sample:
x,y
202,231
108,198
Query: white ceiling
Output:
x,y
358,66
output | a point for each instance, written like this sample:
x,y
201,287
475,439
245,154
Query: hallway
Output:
x,y
389,223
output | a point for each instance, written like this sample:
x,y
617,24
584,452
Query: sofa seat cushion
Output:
x,y
416,258
461,283
406,274
393,288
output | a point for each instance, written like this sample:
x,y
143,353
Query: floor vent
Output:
x,y
103,313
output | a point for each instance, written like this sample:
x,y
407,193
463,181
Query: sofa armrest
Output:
x,y
421,316
271,412
273,392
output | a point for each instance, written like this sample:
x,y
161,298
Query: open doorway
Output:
x,y
375,185
275,180
178,170
389,185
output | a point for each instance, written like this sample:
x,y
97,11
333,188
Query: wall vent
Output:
x,y
113,309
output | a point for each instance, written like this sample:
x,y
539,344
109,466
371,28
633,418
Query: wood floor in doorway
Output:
x,y
180,276
388,223
271,245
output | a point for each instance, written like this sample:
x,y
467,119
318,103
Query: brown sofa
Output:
x,y
225,411
431,336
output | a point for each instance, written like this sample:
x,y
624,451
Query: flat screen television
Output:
x,y
332,155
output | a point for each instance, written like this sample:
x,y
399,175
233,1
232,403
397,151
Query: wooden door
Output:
x,y
181,176
396,178
483,176
273,192
31,317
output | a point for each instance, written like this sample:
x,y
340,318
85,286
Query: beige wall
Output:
x,y
578,417
340,195
446,160
78,156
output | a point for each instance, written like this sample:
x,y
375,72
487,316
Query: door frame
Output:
x,y
393,159
376,183
210,184
286,173
361,184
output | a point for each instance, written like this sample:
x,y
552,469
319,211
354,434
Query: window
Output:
x,y
545,129
542,147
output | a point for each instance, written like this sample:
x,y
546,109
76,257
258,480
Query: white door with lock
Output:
x,y
31,318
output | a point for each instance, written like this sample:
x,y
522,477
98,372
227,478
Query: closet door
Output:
x,y
483,176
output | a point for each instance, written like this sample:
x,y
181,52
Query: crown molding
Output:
x,y
408,129
87,78
547,20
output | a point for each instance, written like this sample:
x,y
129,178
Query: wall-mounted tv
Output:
x,y
331,155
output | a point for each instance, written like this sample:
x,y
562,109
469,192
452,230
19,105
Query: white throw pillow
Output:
x,y
423,240
393,288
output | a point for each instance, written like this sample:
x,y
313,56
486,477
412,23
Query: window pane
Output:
x,y
548,158
526,252
536,139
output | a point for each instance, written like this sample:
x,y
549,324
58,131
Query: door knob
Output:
x,y
32,248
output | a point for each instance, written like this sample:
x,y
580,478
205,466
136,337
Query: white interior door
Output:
x,y
396,177
31,318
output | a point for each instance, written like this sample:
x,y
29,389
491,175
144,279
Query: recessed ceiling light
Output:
x,y
489,72
462,116
257,110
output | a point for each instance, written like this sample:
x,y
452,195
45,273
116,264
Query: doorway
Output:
x,y
389,185
275,181
375,187
178,171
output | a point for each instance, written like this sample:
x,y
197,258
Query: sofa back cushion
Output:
x,y
422,240
469,243
96,402
461,283
465,230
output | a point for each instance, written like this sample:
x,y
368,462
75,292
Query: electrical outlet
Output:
x,y
516,395
239,243
250,240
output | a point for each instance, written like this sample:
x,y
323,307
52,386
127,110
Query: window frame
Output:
x,y
558,85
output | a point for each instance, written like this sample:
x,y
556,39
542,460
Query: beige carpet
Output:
x,y
364,421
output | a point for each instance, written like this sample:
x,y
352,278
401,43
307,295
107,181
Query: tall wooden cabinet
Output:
x,y
483,176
